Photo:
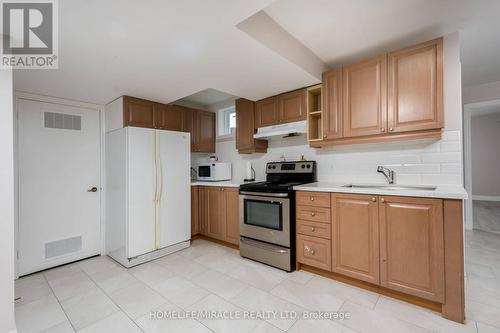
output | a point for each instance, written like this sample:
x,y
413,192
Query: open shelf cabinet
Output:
x,y
314,114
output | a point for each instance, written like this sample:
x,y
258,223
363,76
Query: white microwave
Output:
x,y
215,171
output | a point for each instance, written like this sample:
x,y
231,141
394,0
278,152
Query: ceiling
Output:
x,y
165,50
206,98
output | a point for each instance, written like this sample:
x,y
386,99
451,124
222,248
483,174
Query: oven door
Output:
x,y
265,217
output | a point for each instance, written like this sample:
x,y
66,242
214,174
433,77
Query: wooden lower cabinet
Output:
x,y
355,236
393,242
219,213
195,211
412,246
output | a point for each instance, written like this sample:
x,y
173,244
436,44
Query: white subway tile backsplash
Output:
x,y
451,146
451,168
437,162
442,179
444,157
455,135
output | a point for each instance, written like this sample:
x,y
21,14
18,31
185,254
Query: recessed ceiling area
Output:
x,y
167,50
205,98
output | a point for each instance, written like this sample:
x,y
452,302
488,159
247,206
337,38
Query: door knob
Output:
x,y
93,189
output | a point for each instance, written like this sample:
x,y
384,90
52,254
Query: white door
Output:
x,y
174,218
59,184
142,190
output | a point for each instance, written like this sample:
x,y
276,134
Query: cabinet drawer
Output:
x,y
315,229
314,251
316,199
317,214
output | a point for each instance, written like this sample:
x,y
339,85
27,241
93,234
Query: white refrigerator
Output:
x,y
148,194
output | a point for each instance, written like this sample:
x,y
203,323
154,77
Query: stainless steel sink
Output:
x,y
392,187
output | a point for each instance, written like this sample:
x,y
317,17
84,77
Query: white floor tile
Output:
x,y
485,328
151,273
483,313
31,288
308,297
422,317
344,291
64,327
113,279
39,315
96,264
183,267
215,303
62,272
85,309
265,327
164,325
220,262
254,299
256,277
137,299
319,326
366,320
117,322
181,291
299,276
65,287
220,284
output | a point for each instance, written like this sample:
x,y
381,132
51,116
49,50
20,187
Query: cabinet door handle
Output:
x,y
382,129
313,214
308,249
312,198
391,129
374,199
313,229
382,200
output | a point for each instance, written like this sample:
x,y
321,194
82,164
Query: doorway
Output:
x,y
482,165
59,174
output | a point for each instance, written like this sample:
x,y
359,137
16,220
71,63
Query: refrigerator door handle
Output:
x,y
160,192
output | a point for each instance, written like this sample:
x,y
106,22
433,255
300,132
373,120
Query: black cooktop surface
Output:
x,y
270,186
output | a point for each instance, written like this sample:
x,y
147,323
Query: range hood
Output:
x,y
283,130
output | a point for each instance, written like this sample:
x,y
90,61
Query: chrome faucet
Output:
x,y
388,173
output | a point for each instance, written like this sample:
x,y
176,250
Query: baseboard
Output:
x,y
486,197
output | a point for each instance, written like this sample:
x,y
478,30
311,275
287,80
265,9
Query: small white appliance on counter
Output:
x,y
148,194
214,171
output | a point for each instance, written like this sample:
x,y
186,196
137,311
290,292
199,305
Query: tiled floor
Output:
x,y
98,295
486,215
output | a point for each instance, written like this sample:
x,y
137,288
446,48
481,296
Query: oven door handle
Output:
x,y
262,245
265,194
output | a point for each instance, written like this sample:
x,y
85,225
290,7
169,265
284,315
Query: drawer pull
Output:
x,y
312,198
313,214
382,200
374,199
313,229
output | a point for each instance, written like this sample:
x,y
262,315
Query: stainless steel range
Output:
x,y
267,213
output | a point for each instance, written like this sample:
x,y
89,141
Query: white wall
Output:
x,y
485,157
422,162
482,92
7,323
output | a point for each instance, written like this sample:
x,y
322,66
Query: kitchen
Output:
x,y
338,194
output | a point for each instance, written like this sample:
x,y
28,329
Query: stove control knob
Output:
x,y
269,167
303,166
309,166
274,167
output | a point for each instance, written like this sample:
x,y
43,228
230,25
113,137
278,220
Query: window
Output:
x,y
227,121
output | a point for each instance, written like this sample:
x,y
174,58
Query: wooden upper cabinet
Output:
x,y
266,112
416,87
412,246
355,236
292,106
332,104
169,117
245,129
205,131
216,213
232,202
139,112
365,97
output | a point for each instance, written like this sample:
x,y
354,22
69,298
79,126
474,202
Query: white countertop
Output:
x,y
226,183
442,191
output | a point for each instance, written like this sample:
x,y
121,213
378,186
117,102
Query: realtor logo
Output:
x,y
29,34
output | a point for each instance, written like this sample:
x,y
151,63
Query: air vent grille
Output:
x,y
62,247
62,121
